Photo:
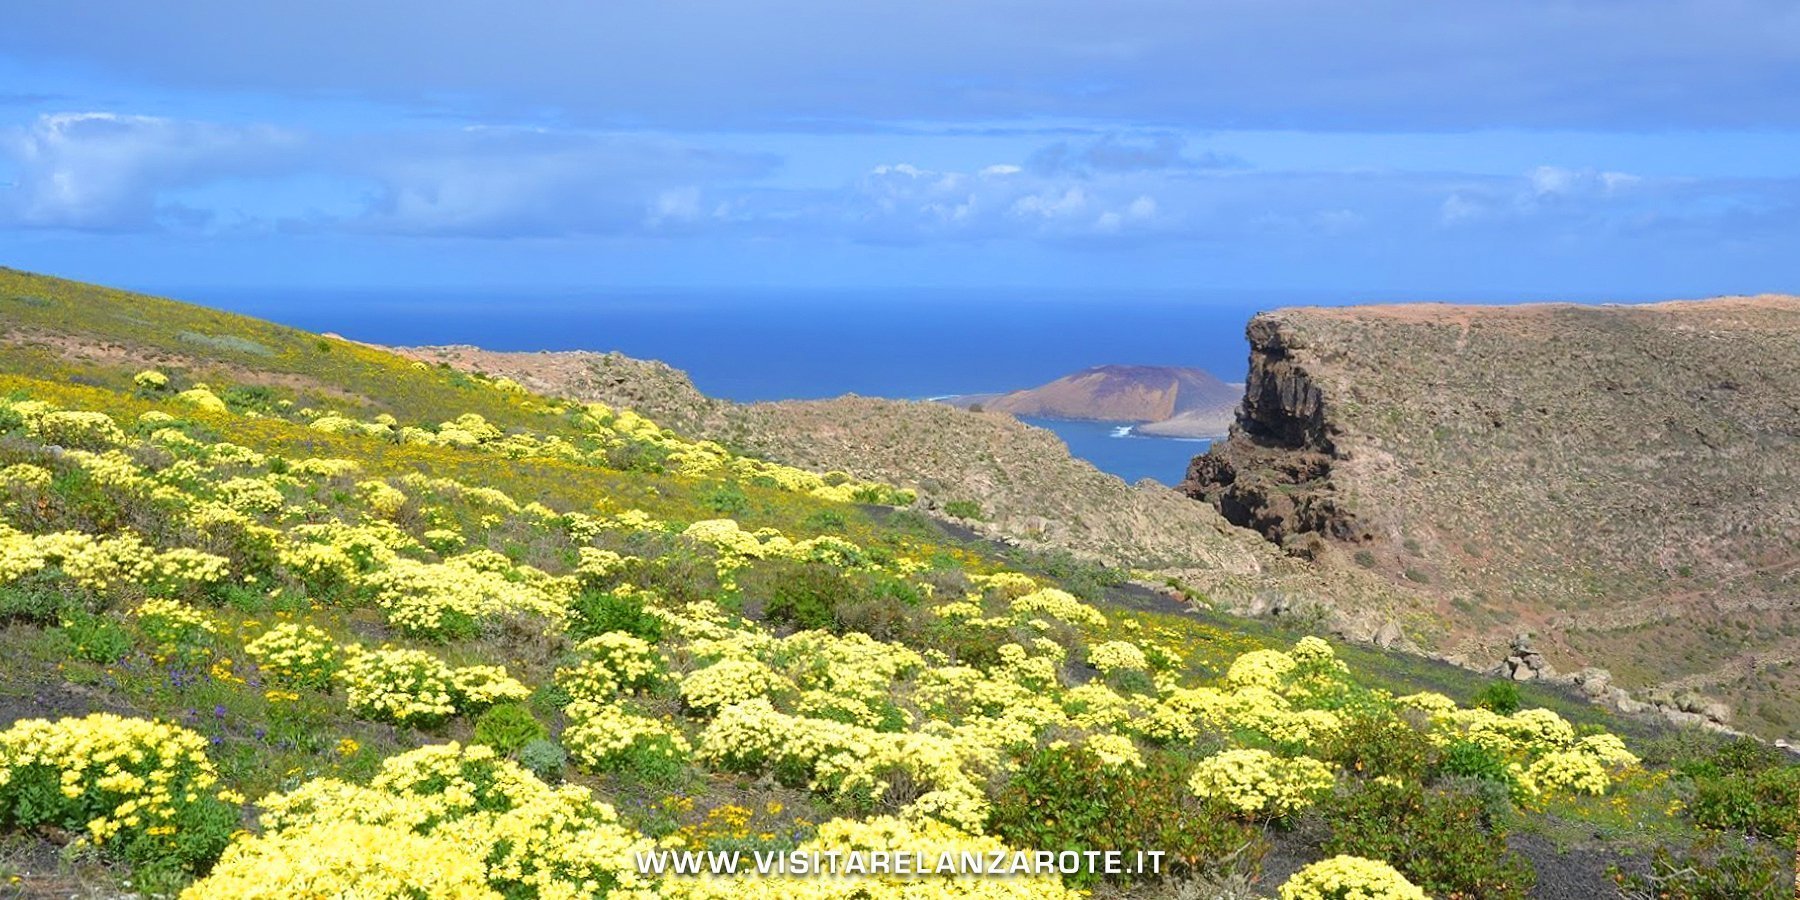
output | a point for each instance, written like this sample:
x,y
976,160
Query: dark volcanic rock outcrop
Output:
x,y
1621,481
1273,473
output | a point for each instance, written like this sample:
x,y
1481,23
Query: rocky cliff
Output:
x,y
1623,482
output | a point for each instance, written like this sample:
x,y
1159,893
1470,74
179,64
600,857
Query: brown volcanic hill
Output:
x,y
1186,398
1622,481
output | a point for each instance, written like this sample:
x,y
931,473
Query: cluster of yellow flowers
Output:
x,y
1349,878
602,737
1542,748
612,662
175,629
929,838
430,598
201,396
412,687
151,380
111,778
251,496
441,821
383,498
1257,782
728,682
1117,656
846,761
295,654
114,563
26,475
1059,604
736,547
76,428
606,430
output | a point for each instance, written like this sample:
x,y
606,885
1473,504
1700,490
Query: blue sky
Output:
x,y
1606,148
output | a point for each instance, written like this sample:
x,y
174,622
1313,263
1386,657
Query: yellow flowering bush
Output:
x,y
1567,770
346,859
184,570
1257,782
602,737
727,682
251,495
151,380
478,687
412,687
406,687
1350,878
202,397
1115,750
380,497
614,661
1608,749
1058,604
140,789
464,817
1117,656
845,761
77,429
176,630
897,834
296,655
1261,668
26,475
451,598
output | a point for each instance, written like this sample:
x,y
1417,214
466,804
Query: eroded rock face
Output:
x,y
1273,473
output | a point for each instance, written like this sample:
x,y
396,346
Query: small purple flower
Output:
x,y
219,711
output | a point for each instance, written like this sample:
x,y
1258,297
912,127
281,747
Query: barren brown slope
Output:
x,y
1623,481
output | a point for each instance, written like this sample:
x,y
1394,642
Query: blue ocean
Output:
x,y
765,345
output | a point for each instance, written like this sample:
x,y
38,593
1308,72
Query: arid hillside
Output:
x,y
1623,482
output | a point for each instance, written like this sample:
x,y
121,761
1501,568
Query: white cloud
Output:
x,y
108,171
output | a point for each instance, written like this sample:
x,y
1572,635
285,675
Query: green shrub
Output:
x,y
727,499
1500,696
1468,759
1712,870
508,727
1764,803
1377,745
95,638
965,509
1737,756
1065,798
43,597
1438,839
598,612
824,520
806,595
678,576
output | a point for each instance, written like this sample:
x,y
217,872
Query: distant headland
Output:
x,y
1159,401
